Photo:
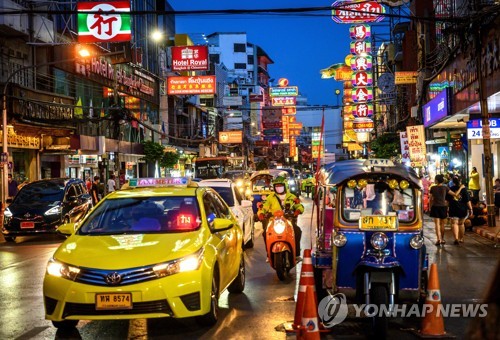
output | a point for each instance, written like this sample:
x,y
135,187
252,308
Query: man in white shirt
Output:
x,y
111,184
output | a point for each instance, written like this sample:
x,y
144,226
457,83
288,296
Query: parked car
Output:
x,y
41,206
293,181
164,247
240,207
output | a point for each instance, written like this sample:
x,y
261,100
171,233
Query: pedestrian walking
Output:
x,y
459,208
439,207
94,191
111,184
474,185
88,183
12,188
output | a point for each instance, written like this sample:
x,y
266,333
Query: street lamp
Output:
x,y
337,93
4,177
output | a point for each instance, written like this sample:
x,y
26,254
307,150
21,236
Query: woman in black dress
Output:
x,y
459,208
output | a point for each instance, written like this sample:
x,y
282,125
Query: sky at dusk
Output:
x,y
299,44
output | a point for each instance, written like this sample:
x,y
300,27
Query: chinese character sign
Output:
x,y
103,21
416,143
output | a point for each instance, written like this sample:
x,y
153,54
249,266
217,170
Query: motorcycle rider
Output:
x,y
308,185
280,199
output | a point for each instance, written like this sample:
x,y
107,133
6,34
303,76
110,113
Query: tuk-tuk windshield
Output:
x,y
378,198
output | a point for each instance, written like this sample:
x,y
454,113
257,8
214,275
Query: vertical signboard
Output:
x,y
416,142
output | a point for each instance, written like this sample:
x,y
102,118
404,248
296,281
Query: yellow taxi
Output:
x,y
164,247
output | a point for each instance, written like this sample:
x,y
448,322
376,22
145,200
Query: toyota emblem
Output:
x,y
113,279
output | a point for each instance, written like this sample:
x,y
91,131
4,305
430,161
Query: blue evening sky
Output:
x,y
300,45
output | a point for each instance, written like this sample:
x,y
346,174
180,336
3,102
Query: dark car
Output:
x,y
41,206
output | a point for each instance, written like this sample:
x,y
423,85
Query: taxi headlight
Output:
x,y
417,242
379,241
339,240
239,183
185,264
279,226
248,192
54,211
59,269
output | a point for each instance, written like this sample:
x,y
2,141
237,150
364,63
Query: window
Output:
x,y
250,60
240,66
240,48
214,59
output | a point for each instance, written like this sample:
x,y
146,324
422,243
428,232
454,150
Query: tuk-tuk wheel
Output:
x,y
379,296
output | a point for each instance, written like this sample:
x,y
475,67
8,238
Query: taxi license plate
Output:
x,y
378,222
113,301
27,225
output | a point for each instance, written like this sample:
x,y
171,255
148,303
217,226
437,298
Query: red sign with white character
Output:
x,y
346,12
189,58
361,63
362,79
360,32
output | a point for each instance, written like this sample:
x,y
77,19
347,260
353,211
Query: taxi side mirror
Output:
x,y
66,229
221,224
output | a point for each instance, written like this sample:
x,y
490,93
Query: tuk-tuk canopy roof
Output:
x,y
337,172
269,172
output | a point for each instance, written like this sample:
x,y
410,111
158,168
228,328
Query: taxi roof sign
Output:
x,y
157,182
378,162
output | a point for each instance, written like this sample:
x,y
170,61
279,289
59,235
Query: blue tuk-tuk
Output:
x,y
369,241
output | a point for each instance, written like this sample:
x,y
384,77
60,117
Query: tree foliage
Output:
x,y
262,165
386,146
169,159
154,152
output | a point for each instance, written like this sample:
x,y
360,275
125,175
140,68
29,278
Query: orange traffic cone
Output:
x,y
306,279
309,329
433,323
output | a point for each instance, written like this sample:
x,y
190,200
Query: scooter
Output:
x,y
280,242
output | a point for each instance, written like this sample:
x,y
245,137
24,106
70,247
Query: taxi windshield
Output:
x,y
143,215
378,199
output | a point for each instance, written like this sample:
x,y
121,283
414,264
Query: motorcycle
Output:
x,y
280,242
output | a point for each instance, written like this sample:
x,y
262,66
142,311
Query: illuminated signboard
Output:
x,y
362,94
191,85
230,137
283,91
360,32
284,101
362,79
436,109
361,63
363,110
346,12
189,58
93,26
361,47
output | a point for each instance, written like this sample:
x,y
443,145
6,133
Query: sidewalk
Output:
x,y
492,233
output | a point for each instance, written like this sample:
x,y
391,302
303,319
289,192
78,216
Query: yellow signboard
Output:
x,y
405,78
230,137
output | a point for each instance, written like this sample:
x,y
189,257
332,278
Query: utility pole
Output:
x,y
485,119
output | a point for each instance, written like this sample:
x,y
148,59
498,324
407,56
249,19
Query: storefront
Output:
x,y
453,115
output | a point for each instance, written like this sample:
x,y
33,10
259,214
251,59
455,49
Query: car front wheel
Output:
x,y
212,316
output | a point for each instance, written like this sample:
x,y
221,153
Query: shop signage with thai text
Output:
x,y
191,85
405,78
346,12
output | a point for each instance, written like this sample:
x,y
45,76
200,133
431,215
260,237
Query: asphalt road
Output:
x,y
258,313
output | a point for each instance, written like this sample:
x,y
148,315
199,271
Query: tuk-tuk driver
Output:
x,y
282,199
